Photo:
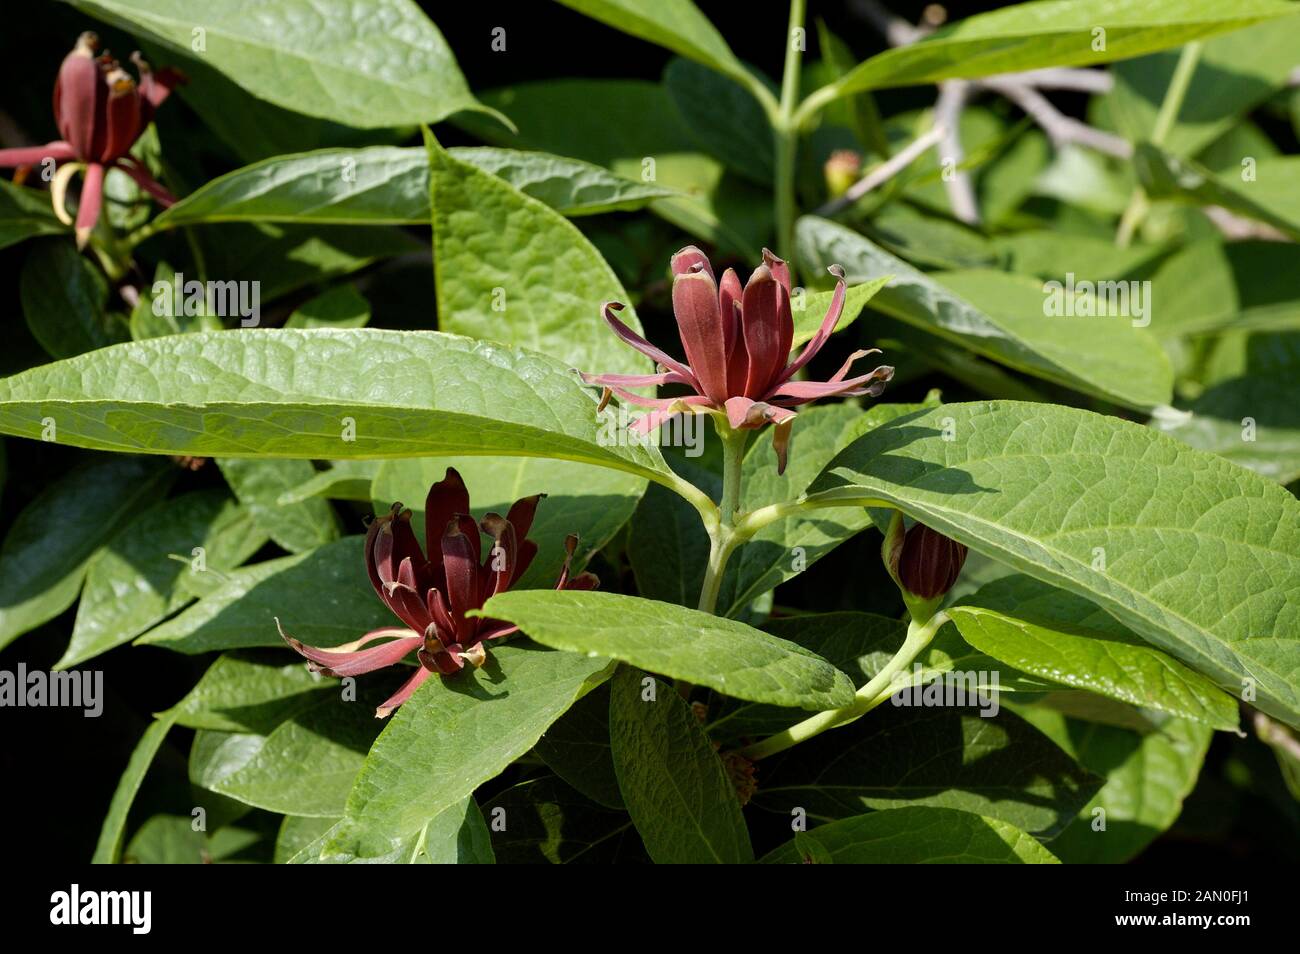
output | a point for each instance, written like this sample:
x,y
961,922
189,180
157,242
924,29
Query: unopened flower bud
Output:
x,y
923,562
842,169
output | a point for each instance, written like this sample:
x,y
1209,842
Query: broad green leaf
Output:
x,y
675,24
24,214
1147,776
252,692
929,240
1063,638
132,583
510,269
306,766
452,736
1211,285
50,543
381,64
113,832
577,749
919,836
291,393
632,128
677,791
682,643
297,834
724,118
593,502
389,185
1201,557
259,483
1234,74
936,755
1253,421
1274,200
455,835
547,822
1042,253
1005,318
861,644
65,301
323,597
1030,36
340,307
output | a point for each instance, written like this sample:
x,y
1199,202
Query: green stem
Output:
x,y
866,698
1170,107
785,133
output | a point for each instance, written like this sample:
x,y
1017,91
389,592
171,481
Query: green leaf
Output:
x,y
1030,36
677,25
340,307
24,214
677,791
306,766
389,185
1210,286
287,393
1253,421
935,755
1147,776
133,582
577,749
668,548
113,831
593,502
1276,204
259,483
510,269
547,822
452,736
65,301
1063,638
1005,318
1235,73
1059,493
919,836
49,545
297,834
251,692
682,643
382,64
632,128
724,118
323,597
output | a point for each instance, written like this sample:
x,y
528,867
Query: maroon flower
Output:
x,y
432,596
100,111
924,562
737,342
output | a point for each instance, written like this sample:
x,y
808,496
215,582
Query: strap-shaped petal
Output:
x,y
699,322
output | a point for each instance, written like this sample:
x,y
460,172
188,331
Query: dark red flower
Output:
x,y
433,596
925,562
100,111
737,342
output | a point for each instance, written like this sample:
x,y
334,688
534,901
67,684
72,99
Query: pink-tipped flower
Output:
x,y
737,342
433,596
100,111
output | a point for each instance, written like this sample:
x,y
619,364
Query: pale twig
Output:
x,y
957,183
885,171
1058,77
1061,129
1236,228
